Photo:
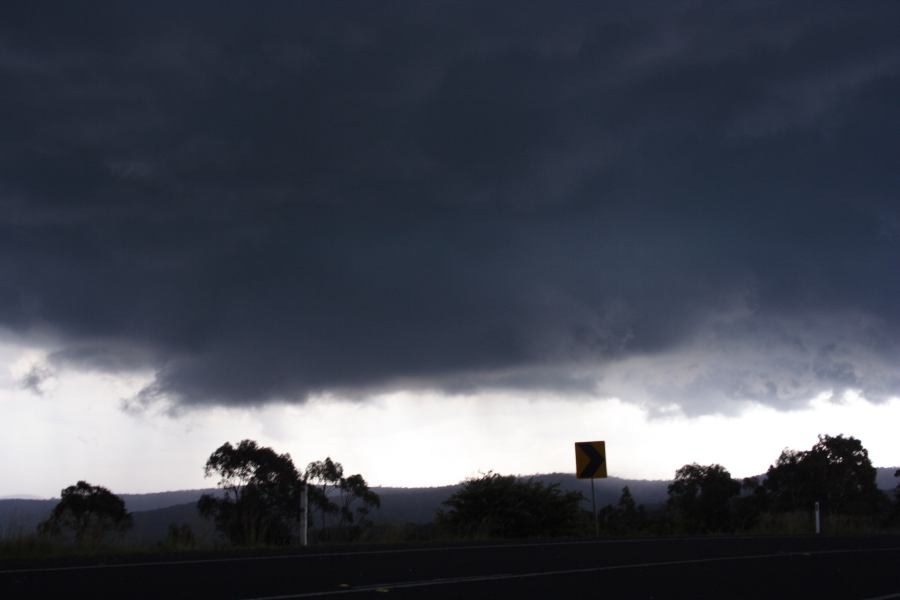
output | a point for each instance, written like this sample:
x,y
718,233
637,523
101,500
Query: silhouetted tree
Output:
x,y
261,500
322,475
836,472
87,513
752,503
355,492
700,497
895,517
331,493
504,506
897,488
623,518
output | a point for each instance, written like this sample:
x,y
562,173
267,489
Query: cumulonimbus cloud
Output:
x,y
270,205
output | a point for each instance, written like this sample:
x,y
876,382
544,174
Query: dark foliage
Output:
x,y
356,500
87,514
894,513
897,489
180,537
700,498
504,506
836,472
751,505
349,498
261,504
323,477
625,517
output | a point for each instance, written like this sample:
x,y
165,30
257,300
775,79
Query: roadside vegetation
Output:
x,y
705,499
702,499
86,515
259,506
261,503
495,505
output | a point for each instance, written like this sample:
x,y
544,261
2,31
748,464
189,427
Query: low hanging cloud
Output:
x,y
675,204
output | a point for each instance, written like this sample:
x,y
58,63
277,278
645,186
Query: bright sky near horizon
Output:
x,y
77,429
440,237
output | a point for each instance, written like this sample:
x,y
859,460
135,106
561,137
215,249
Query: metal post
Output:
x,y
594,504
818,522
304,516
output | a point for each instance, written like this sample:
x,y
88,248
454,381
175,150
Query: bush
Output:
x,y
494,505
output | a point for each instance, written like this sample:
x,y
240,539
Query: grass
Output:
x,y
19,544
803,523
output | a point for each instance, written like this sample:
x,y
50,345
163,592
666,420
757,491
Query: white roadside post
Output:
x,y
818,522
304,516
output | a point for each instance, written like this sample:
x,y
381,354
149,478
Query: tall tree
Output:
x,y
836,472
87,513
897,497
260,503
332,493
322,476
701,497
356,500
894,510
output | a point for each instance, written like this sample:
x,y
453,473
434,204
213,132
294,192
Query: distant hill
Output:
x,y
152,526
418,505
410,505
20,517
142,502
154,512
649,492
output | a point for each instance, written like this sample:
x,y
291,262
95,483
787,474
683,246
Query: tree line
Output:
x,y
836,473
259,501
258,504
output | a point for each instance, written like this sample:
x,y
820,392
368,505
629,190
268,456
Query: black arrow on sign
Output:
x,y
595,460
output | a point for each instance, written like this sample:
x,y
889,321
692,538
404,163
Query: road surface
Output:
x,y
772,567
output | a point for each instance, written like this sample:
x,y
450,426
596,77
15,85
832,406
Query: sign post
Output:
x,y
590,463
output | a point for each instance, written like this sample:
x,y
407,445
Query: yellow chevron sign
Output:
x,y
590,460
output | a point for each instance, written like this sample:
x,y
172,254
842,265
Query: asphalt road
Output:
x,y
864,568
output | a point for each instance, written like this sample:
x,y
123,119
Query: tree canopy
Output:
x,y
333,494
836,472
897,497
356,499
87,513
260,503
323,475
701,497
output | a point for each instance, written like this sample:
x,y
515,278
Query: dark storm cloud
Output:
x,y
266,203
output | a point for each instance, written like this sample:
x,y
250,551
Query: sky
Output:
x,y
432,239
